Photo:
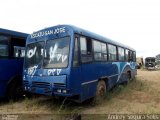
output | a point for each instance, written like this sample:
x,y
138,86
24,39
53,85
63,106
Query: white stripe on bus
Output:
x,y
89,82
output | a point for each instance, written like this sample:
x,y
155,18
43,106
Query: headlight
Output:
x,y
64,91
59,90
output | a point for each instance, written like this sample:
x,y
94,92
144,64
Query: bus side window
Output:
x,y
134,56
17,47
130,56
121,55
4,46
86,49
19,51
100,51
75,61
112,52
127,55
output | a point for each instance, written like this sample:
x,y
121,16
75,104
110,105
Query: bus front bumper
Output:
x,y
50,85
49,92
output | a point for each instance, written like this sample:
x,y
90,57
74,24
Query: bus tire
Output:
x,y
100,91
15,90
129,75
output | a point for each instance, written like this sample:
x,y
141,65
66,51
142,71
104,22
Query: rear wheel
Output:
x,y
129,75
100,91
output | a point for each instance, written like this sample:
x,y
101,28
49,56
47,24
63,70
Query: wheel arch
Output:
x,y
105,79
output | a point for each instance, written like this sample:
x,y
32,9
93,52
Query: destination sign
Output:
x,y
48,32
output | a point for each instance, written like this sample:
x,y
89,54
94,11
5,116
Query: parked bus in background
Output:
x,y
150,62
71,62
12,51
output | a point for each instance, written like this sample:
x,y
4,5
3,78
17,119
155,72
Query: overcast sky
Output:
x,y
132,22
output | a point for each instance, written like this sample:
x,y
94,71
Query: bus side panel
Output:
x,y
93,72
125,67
75,79
123,75
88,90
9,68
79,85
87,77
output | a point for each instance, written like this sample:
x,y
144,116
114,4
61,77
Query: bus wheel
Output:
x,y
15,91
100,91
129,75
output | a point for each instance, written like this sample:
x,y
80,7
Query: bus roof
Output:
x,y
13,33
90,34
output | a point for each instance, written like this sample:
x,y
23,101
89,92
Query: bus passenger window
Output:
x,y
112,52
100,51
17,47
127,55
130,56
134,56
3,46
120,54
83,46
75,61
19,51
86,49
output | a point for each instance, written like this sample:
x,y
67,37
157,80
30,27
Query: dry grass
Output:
x,y
141,95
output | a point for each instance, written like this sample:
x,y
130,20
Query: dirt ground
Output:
x,y
141,95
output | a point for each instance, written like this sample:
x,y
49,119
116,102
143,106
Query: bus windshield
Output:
x,y
56,53
34,54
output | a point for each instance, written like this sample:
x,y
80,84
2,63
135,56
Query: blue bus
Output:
x,y
74,63
12,51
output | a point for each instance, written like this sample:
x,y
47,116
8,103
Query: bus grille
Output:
x,y
26,83
40,84
59,85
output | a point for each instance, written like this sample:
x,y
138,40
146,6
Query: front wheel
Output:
x,y
100,91
15,91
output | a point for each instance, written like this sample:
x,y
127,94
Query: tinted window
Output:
x,y
75,61
4,46
19,51
100,51
83,45
130,56
86,49
17,47
147,60
134,56
121,54
152,60
112,52
127,54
